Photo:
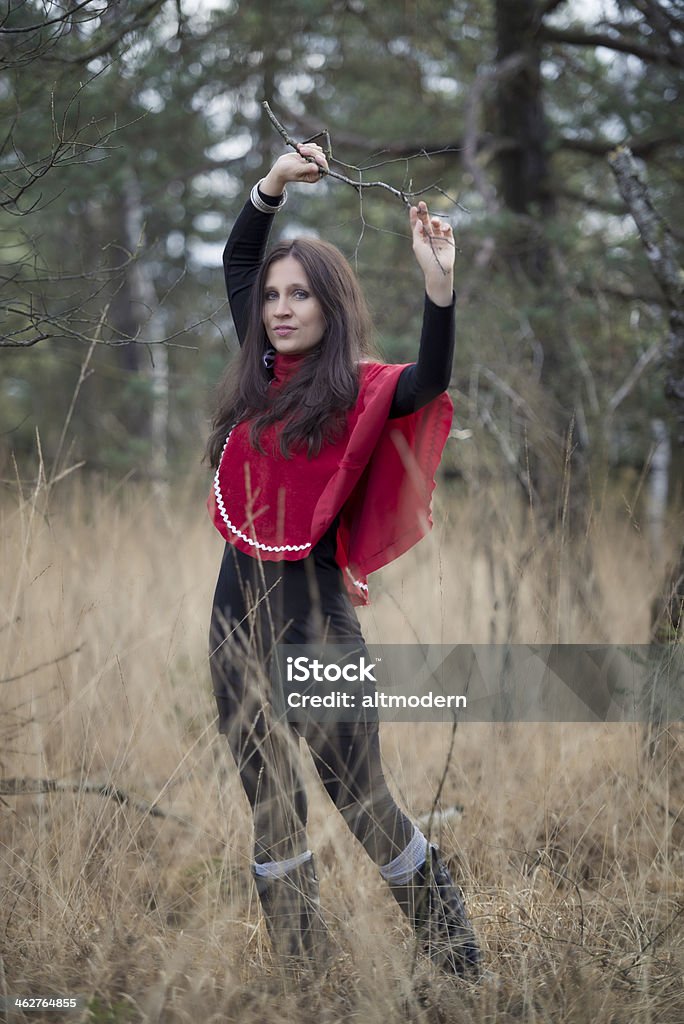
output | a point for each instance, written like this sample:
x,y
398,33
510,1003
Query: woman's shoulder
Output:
x,y
369,369
376,377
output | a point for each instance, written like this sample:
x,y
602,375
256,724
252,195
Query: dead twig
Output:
x,y
39,26
27,787
407,196
651,355
44,664
403,194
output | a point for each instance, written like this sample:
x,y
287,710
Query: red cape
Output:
x,y
379,477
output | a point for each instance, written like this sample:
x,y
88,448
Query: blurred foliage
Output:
x,y
153,109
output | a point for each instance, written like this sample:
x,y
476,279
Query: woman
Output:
x,y
324,465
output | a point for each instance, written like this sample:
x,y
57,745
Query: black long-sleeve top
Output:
x,y
418,383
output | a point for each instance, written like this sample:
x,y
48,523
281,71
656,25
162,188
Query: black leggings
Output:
x,y
257,604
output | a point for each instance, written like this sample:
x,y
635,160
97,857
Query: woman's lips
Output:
x,y
284,331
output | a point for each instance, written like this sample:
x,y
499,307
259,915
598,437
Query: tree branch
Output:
x,y
407,149
51,21
602,147
405,196
580,37
26,787
667,618
140,19
656,236
651,355
43,664
69,147
359,184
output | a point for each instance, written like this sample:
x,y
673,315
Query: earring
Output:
x,y
269,357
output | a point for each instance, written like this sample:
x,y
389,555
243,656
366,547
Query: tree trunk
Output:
x,y
146,324
524,166
556,462
659,243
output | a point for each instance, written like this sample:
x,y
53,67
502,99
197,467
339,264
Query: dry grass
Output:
x,y
569,844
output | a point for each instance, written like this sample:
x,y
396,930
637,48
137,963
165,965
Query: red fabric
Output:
x,y
379,476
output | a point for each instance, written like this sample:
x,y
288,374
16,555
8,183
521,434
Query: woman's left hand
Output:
x,y
435,250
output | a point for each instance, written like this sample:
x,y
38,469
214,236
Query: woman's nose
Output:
x,y
282,307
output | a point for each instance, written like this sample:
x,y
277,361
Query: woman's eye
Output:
x,y
301,294
270,296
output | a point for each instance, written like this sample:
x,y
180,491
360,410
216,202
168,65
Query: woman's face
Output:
x,y
292,315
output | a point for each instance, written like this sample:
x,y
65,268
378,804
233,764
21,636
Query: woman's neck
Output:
x,y
286,365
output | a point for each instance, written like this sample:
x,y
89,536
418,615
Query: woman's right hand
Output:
x,y
295,167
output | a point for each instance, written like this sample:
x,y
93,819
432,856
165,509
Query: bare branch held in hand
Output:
x,y
434,237
405,196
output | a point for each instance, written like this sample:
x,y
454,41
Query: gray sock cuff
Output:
x,y
280,868
404,866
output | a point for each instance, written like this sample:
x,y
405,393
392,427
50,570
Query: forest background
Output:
x,y
131,134
134,130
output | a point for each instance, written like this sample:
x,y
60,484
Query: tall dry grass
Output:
x,y
568,838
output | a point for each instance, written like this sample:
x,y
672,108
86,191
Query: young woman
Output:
x,y
325,465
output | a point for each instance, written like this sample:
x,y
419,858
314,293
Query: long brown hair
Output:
x,y
313,404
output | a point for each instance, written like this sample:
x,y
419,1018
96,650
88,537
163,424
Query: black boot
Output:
x,y
434,906
291,906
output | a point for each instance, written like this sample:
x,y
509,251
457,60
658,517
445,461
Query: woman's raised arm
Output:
x,y
246,245
434,249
